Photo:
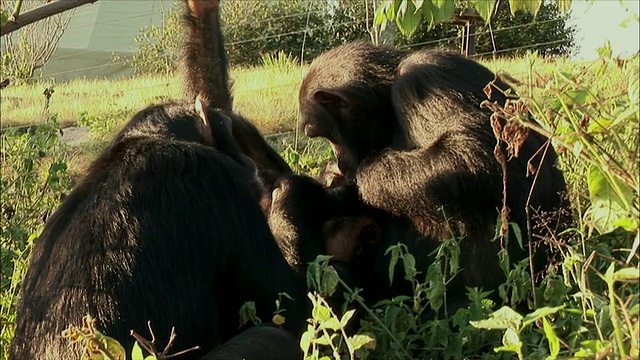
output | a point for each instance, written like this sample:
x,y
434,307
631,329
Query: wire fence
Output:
x,y
303,31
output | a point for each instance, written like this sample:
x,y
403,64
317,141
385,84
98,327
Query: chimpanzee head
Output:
x,y
346,98
190,122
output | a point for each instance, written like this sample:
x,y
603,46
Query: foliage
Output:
x,y
158,47
34,179
95,345
302,29
408,14
102,124
30,47
297,28
549,33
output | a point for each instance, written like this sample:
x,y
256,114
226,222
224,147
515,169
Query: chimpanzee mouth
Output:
x,y
346,164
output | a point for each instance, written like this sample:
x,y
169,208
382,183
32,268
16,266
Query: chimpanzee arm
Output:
x,y
269,163
204,60
448,162
454,174
206,75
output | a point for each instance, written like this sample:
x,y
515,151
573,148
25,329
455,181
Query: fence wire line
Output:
x,y
266,88
305,31
480,33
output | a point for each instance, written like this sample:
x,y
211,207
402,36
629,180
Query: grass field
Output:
x,y
267,95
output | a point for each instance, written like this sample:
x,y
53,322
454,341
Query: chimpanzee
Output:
x,y
410,131
260,342
163,227
307,220
302,206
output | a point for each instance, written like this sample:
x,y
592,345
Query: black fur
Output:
x,y
300,206
205,70
410,131
261,342
163,227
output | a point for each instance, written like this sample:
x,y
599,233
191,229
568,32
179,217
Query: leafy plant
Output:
x,y
34,180
158,47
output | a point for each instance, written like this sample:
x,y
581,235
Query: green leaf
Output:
x,y
552,338
305,340
485,8
114,348
362,341
136,352
511,348
633,91
511,339
607,204
4,17
539,313
417,3
395,254
626,274
555,289
346,317
447,9
248,313
331,323
402,8
503,318
511,342
595,346
437,288
323,340
627,223
330,280
409,263
408,18
605,52
320,313
531,6
517,233
575,97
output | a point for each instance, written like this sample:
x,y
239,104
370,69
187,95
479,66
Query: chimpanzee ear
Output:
x,y
324,96
201,110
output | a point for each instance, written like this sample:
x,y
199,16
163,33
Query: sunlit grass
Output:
x,y
267,94
24,104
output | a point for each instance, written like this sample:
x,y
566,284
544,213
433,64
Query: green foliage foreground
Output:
x,y
587,306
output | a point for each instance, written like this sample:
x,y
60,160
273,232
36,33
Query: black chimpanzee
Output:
x,y
163,227
301,205
410,131
307,220
264,342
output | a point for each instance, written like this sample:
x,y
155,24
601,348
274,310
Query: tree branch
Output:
x,y
40,13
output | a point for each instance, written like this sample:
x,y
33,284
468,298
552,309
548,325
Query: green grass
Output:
x,y
267,95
